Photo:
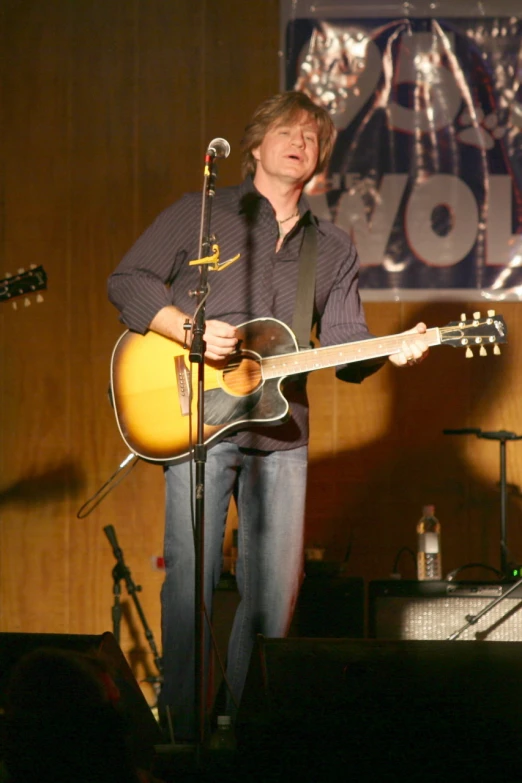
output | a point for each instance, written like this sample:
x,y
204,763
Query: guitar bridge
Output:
x,y
183,376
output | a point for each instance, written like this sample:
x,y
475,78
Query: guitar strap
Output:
x,y
304,300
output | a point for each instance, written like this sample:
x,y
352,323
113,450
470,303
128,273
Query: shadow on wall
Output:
x,y
65,480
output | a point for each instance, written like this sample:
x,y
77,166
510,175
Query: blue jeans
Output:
x,y
270,493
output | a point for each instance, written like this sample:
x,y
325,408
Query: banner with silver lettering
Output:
x,y
426,173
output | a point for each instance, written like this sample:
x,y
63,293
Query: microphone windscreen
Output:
x,y
219,148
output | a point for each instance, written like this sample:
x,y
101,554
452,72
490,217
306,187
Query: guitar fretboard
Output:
x,y
334,355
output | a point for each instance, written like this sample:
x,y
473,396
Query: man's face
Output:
x,y
289,151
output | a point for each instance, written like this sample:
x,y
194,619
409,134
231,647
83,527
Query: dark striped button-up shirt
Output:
x,y
262,283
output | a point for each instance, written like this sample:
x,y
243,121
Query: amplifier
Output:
x,y
411,609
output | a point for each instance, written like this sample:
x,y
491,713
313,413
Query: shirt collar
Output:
x,y
249,196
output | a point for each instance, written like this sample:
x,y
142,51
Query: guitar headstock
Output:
x,y
477,332
23,283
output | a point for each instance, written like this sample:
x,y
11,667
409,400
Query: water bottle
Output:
x,y
223,741
429,565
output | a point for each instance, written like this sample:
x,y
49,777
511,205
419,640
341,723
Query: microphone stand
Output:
x,y
196,356
119,572
502,436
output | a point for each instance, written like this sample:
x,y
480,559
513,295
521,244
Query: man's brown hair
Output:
x,y
278,110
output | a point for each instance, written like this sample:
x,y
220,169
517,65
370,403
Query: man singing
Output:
x,y
288,140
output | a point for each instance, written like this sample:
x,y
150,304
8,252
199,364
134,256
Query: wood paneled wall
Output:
x,y
106,109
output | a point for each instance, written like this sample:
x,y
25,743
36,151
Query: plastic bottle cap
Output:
x,y
223,721
428,511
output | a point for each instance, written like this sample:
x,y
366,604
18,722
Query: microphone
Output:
x,y
111,535
218,148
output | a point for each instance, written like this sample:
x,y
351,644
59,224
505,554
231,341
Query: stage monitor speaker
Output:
x,y
383,710
143,728
330,604
434,610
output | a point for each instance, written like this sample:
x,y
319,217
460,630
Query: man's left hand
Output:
x,y
413,348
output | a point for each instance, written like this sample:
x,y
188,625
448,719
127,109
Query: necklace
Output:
x,y
280,223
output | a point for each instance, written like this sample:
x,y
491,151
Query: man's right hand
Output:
x,y
220,339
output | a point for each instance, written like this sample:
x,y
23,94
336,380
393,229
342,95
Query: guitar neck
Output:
x,y
335,355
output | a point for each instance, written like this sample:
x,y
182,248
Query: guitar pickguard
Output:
x,y
255,399
221,408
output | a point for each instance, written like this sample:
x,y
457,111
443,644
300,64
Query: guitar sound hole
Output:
x,y
242,375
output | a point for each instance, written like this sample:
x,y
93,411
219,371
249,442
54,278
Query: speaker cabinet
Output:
x,y
329,605
435,610
382,710
143,728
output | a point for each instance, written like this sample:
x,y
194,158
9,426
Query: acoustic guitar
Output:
x,y
152,379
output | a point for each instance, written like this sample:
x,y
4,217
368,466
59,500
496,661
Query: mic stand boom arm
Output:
x,y
472,619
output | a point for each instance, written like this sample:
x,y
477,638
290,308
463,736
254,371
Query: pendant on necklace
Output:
x,y
282,232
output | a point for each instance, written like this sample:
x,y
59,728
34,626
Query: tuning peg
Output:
x,y
463,316
482,351
491,313
39,298
496,350
469,353
27,302
15,306
20,271
476,315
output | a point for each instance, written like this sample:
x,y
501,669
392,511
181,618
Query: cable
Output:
x,y
395,574
97,498
452,574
